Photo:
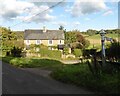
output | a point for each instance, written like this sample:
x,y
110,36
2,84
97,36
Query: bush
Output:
x,y
66,51
77,52
51,54
87,43
56,54
16,52
113,52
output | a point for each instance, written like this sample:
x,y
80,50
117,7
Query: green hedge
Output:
x,y
45,52
56,54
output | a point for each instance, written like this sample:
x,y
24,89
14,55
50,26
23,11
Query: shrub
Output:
x,y
50,53
66,50
16,52
113,52
77,52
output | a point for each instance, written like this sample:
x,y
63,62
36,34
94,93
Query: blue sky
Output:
x,y
72,15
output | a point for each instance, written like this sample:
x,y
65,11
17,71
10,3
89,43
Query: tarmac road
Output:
x,y
18,81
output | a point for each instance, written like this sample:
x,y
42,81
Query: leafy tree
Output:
x,y
76,39
64,30
9,39
61,28
70,37
91,32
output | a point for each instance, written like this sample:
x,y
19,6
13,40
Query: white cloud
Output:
x,y
22,10
81,7
42,17
12,8
108,12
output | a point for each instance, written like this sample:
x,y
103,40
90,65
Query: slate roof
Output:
x,y
40,35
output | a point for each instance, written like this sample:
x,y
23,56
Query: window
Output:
x,y
60,41
38,42
50,42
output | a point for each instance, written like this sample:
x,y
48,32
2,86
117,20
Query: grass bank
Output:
x,y
80,75
33,62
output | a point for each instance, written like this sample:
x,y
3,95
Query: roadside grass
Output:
x,y
80,75
33,63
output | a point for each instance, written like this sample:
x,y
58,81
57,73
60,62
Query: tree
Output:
x,y
64,30
9,39
80,39
91,32
61,28
76,39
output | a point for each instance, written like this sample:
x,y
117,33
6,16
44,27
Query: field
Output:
x,y
95,40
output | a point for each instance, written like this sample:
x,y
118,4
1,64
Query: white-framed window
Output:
x,y
38,42
27,42
50,42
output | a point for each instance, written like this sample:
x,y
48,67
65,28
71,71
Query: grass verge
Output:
x,y
33,63
80,75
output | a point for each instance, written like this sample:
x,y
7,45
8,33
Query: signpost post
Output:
x,y
102,33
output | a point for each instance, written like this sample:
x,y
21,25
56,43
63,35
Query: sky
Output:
x,y
72,14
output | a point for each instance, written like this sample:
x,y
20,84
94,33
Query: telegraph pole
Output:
x,y
102,33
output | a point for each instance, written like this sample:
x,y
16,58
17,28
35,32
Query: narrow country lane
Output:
x,y
18,81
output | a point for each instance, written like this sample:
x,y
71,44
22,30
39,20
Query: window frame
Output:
x,y
60,41
49,42
37,42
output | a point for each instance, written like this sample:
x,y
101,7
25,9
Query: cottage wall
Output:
x,y
45,42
